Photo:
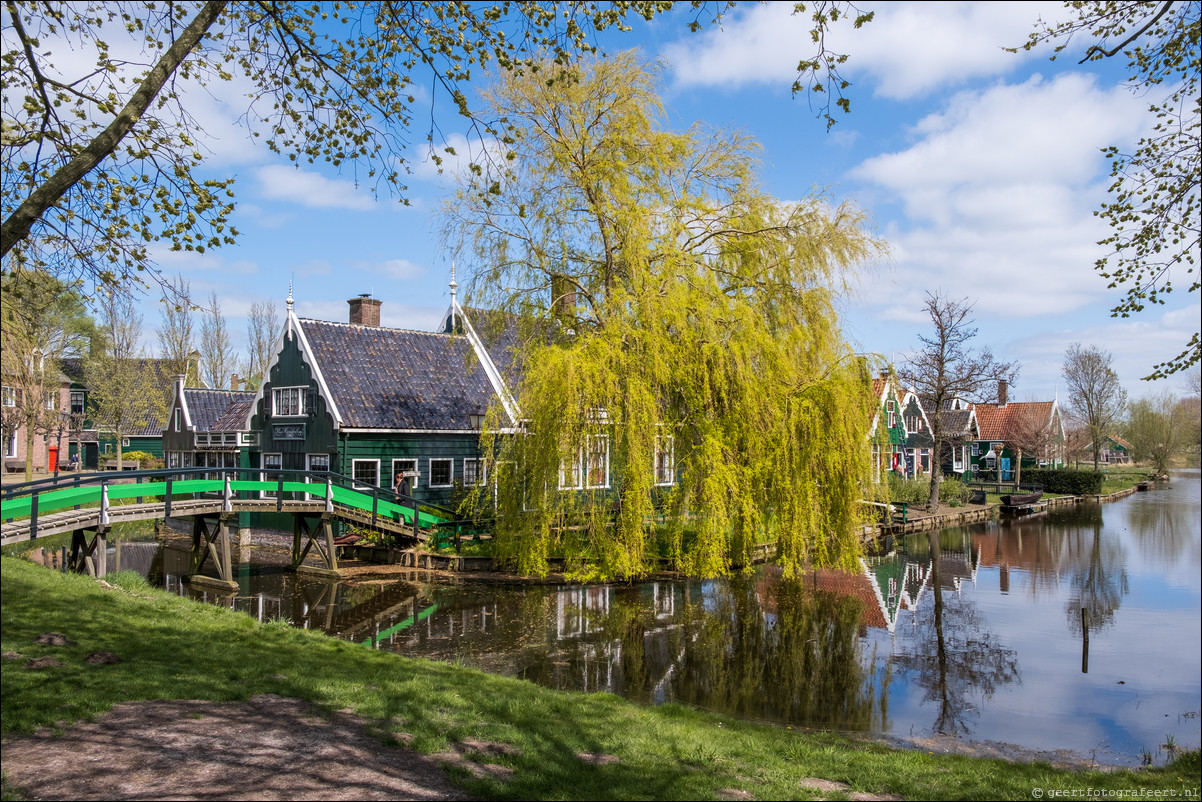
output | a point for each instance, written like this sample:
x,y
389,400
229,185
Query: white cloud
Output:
x,y
999,191
909,49
311,189
1135,343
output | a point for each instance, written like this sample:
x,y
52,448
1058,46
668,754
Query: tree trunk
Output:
x,y
17,227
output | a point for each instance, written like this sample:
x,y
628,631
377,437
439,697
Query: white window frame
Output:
x,y
10,396
480,471
83,400
309,467
175,418
430,468
976,449
571,473
278,392
125,442
358,484
664,444
414,470
173,459
51,399
264,469
10,445
588,461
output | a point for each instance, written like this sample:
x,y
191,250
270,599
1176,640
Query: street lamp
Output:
x,y
477,419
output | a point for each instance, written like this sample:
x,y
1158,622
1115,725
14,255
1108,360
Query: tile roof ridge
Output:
x,y
375,328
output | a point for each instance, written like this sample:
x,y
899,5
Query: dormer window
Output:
x,y
288,401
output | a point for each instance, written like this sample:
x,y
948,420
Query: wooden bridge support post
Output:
x,y
325,546
89,557
203,547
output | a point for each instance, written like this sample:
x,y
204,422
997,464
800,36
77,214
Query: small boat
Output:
x,y
1021,499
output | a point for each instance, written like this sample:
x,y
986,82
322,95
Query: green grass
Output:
x,y
173,648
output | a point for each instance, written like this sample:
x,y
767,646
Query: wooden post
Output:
x,y
224,533
101,552
1084,641
331,549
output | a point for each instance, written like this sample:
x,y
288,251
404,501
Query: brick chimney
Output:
x,y
365,310
1003,392
235,382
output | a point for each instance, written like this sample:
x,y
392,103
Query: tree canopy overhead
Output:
x,y
1155,206
101,144
681,343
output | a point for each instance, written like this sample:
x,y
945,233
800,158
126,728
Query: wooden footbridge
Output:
x,y
88,505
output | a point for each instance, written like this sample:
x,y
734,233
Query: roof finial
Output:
x,y
454,286
288,317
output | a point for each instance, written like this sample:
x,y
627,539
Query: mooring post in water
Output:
x,y
1084,641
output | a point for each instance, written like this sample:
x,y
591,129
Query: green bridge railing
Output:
x,y
34,499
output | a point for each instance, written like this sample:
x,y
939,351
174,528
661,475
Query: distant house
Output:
x,y
1115,450
49,442
1034,427
919,441
96,439
206,428
888,431
371,402
958,427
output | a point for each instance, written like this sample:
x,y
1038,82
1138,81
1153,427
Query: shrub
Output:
x,y
952,492
1069,482
145,459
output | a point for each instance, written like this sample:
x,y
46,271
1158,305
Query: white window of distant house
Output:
x,y
125,442
10,445
77,402
271,465
288,401
10,396
188,459
925,460
958,459
976,449
316,463
473,472
665,460
892,414
405,466
51,399
442,472
571,477
175,418
598,460
366,472
173,459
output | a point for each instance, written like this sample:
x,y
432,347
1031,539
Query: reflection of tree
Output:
x,y
1165,522
1098,582
770,648
951,655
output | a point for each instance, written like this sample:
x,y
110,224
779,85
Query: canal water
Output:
x,y
1078,629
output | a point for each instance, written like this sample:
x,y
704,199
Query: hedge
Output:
x,y
1064,481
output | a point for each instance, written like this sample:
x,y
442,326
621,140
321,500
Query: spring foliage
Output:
x,y
689,393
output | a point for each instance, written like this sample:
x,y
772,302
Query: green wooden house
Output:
x,y
373,403
206,428
888,431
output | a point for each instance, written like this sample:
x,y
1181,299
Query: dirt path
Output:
x,y
266,748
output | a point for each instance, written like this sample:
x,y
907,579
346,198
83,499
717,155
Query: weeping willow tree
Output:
x,y
685,386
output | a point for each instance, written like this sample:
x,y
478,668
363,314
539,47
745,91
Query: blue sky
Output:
x,y
981,168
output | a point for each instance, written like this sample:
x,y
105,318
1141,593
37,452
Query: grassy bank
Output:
x,y
173,648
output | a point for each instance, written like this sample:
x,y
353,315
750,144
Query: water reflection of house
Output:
x,y
574,606
1021,544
